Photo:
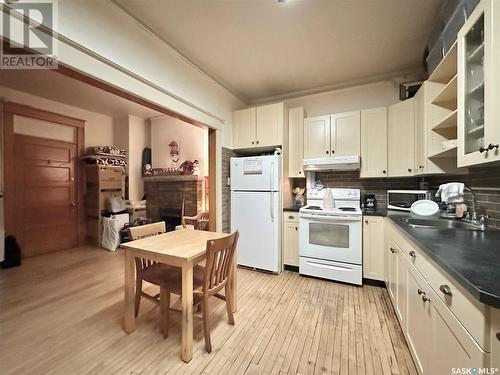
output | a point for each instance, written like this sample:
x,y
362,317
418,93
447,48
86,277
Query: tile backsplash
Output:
x,y
484,181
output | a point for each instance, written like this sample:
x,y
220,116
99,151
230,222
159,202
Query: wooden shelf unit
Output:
x,y
447,68
101,184
447,98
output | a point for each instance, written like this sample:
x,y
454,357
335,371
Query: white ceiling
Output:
x,y
262,49
60,88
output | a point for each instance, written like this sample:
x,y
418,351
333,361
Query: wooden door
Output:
x,y
296,142
46,215
244,122
374,142
269,125
345,135
317,137
401,139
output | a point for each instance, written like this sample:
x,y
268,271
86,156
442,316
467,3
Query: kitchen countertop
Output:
x,y
292,208
472,258
376,212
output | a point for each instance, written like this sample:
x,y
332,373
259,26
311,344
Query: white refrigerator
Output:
x,y
256,211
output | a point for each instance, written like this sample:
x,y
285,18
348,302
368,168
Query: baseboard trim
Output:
x,y
291,268
372,282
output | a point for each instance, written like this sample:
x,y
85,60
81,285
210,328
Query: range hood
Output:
x,y
336,163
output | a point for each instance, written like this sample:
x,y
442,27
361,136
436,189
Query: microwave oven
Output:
x,y
403,199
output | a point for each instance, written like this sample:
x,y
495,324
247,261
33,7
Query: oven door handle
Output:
x,y
330,219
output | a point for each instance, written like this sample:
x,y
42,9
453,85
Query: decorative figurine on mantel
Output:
x,y
174,156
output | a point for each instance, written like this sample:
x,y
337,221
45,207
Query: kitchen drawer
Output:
x,y
111,184
290,216
110,173
471,313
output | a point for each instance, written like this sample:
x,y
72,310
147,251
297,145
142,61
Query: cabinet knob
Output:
x,y
420,291
393,250
482,149
409,170
425,298
498,336
366,221
296,228
333,151
413,254
445,289
384,171
300,172
253,142
491,146
327,152
257,142
291,217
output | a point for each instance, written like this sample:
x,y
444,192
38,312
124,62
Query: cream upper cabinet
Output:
x,y
244,131
345,131
290,239
296,142
335,135
478,99
316,137
269,125
259,126
374,142
373,247
401,139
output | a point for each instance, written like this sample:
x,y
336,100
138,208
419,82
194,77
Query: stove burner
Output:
x,y
351,209
314,208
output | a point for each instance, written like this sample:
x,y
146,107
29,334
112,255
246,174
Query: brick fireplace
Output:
x,y
166,193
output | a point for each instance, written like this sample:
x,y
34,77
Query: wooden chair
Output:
x,y
148,270
200,221
207,281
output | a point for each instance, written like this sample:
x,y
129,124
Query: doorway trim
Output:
x,y
9,110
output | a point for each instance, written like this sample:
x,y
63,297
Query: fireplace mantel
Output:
x,y
173,178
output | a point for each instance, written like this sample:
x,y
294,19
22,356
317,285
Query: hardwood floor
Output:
x,y
61,313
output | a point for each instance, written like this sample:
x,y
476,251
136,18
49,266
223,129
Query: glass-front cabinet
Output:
x,y
479,86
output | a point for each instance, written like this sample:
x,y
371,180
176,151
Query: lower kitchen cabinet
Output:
x,y
439,342
291,239
373,247
418,323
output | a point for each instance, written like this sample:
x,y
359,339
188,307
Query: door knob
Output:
x,y
73,204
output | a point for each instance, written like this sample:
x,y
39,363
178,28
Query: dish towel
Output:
x,y
451,192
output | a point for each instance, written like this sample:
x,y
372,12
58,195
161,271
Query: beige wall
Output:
x,y
371,95
140,137
98,127
193,142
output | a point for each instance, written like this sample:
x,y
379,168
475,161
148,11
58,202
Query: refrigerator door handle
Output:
x,y
271,205
271,177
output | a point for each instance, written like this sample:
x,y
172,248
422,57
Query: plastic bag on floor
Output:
x,y
111,230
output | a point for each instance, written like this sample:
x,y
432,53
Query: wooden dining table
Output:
x,y
183,249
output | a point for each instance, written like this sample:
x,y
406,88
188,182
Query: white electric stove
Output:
x,y
330,239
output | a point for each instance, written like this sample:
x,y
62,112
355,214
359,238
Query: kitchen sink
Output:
x,y
439,224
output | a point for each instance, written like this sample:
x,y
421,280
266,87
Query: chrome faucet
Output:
x,y
472,217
